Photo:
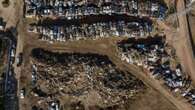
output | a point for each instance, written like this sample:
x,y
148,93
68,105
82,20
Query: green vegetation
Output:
x,y
171,9
171,16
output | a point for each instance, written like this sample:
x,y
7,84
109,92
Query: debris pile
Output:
x,y
78,75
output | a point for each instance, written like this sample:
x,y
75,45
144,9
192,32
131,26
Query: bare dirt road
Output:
x,y
180,39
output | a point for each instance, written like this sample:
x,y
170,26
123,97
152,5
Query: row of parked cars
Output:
x,y
92,31
74,10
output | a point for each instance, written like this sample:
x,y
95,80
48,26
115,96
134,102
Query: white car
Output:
x,y
22,93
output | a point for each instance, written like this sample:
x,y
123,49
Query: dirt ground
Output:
x,y
151,100
192,25
183,43
11,14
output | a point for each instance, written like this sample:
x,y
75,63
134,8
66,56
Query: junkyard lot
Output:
x,y
88,46
104,46
77,47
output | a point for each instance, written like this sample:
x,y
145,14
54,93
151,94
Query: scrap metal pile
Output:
x,y
151,54
156,57
78,75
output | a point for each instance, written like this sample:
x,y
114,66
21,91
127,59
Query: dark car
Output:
x,y
19,59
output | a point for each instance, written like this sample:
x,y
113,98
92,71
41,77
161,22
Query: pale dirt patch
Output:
x,y
11,14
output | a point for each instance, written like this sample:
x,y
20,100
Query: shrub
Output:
x,y
5,3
